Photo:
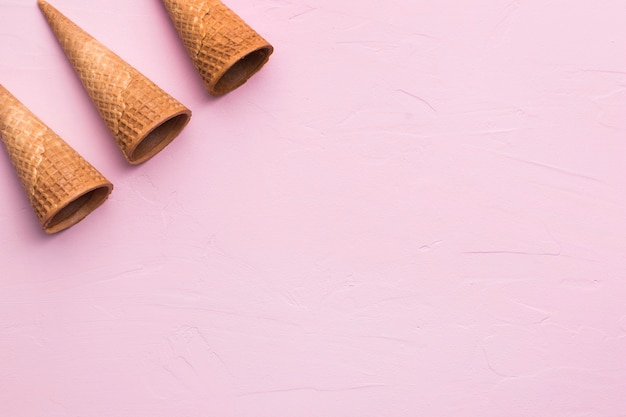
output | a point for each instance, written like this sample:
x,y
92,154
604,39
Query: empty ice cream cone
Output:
x,y
224,49
62,187
141,116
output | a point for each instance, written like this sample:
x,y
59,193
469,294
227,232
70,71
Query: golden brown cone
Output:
x,y
224,49
141,116
62,187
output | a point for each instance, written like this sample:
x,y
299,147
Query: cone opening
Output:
x,y
241,70
159,137
77,209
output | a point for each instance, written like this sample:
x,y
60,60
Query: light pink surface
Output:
x,y
416,208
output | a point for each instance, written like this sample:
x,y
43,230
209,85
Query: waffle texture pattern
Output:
x,y
52,173
131,105
225,50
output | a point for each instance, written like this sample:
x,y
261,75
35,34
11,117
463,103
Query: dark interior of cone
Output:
x,y
77,209
159,138
241,70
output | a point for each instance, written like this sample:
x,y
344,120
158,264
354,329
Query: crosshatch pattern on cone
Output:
x,y
62,187
142,117
225,50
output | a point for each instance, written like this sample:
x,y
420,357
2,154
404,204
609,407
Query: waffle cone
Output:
x,y
224,49
142,117
62,187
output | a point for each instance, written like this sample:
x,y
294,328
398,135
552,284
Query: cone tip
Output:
x,y
45,7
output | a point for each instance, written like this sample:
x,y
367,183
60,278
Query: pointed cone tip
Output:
x,y
47,9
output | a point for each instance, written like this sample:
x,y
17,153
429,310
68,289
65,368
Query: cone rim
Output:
x,y
158,135
76,207
253,60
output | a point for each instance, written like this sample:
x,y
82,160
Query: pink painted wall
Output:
x,y
417,208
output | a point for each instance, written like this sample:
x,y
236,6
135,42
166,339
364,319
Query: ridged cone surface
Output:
x,y
130,104
52,173
216,38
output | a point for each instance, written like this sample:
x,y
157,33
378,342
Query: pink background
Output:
x,y
417,208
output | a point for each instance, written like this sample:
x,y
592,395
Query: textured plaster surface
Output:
x,y
416,208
